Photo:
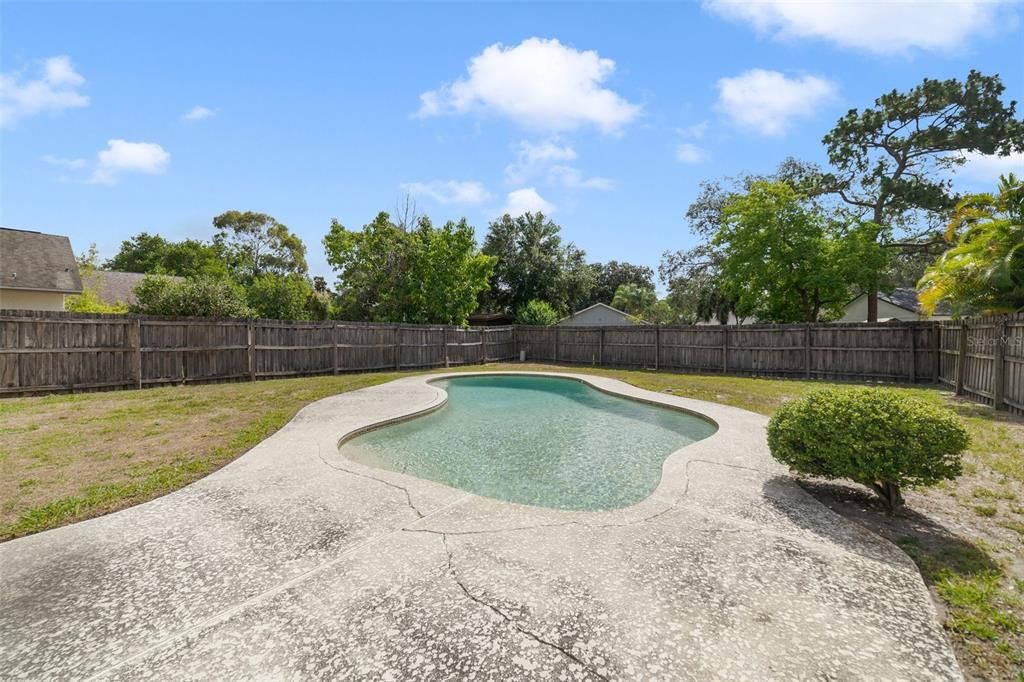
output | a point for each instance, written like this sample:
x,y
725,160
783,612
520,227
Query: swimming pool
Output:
x,y
535,440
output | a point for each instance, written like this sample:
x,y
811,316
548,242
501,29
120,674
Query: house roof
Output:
x,y
37,261
600,305
906,298
117,287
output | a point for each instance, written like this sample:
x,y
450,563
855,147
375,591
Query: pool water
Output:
x,y
535,440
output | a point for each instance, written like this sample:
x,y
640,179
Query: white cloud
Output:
x,y
697,131
986,168
690,153
538,83
121,156
545,160
766,101
55,90
526,200
882,28
197,113
70,164
449,191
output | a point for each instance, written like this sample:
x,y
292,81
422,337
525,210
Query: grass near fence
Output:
x,y
65,458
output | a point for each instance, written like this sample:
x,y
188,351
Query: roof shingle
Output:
x,y
37,261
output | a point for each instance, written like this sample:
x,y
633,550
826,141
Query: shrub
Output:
x,y
536,312
193,297
874,436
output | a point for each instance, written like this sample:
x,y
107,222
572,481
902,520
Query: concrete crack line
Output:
x,y
508,619
408,497
227,613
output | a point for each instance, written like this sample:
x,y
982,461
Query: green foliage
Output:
x,y
984,271
634,299
90,258
608,277
533,263
538,313
889,160
424,275
782,261
193,297
152,254
89,301
280,297
876,437
256,244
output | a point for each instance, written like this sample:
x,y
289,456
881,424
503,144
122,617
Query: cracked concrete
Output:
x,y
294,562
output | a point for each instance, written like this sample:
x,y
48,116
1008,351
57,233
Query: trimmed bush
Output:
x,y
874,436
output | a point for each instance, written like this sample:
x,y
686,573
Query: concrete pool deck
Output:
x,y
293,562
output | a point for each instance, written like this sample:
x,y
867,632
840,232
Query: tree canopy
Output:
x,y
783,261
608,277
152,254
255,244
984,270
890,162
424,275
532,263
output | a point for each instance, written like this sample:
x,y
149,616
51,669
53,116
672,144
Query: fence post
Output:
x,y
936,351
600,350
911,343
252,350
725,349
483,351
135,342
807,351
447,361
334,338
998,366
961,357
398,349
556,345
657,347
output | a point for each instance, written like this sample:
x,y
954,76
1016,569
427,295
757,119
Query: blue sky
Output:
x,y
608,115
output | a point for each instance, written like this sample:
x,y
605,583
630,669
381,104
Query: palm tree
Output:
x,y
984,271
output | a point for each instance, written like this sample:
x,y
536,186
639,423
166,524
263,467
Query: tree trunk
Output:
x,y
873,305
890,494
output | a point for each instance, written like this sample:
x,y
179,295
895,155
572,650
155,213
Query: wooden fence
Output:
x,y
986,363
45,352
42,352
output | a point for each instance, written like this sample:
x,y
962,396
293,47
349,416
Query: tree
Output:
x,y
152,254
89,259
256,244
425,275
634,299
783,261
608,277
889,160
984,271
280,297
447,272
532,263
193,297
694,275
537,313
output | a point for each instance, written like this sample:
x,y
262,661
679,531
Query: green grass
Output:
x,y
985,510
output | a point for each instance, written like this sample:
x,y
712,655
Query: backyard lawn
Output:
x,y
64,458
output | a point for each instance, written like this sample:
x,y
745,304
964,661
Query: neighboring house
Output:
x,y
115,287
36,270
599,315
901,304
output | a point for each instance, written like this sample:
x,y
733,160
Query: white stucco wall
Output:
x,y
597,317
24,299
